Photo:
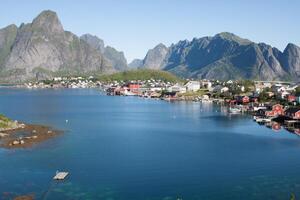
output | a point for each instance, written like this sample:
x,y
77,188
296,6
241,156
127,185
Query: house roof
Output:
x,y
292,110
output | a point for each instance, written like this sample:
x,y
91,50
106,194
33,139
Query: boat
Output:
x,y
128,93
206,100
263,120
234,110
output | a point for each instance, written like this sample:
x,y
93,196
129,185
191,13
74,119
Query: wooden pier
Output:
x,y
60,175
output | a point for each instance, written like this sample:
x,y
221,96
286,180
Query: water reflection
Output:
x,y
278,127
133,148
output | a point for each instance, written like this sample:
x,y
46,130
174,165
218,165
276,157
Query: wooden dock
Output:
x,y
60,175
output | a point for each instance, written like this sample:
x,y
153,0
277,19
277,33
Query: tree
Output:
x,y
263,96
297,91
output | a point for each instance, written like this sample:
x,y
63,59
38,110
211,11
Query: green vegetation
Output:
x,y
297,92
248,84
140,74
42,70
194,94
4,121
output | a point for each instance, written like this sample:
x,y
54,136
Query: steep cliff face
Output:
x,y
94,41
290,59
227,56
7,38
155,57
136,63
115,58
42,48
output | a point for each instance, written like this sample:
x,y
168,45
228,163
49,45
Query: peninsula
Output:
x,y
14,134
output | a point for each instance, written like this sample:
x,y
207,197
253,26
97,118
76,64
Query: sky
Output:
x,y
135,26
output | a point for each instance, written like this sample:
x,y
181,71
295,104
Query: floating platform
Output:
x,y
60,175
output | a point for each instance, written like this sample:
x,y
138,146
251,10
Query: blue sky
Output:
x,y
134,26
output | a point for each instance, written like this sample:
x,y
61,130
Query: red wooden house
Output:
x,y
253,99
134,87
277,110
242,99
291,98
293,113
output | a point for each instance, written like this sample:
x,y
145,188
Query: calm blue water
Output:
x,y
130,149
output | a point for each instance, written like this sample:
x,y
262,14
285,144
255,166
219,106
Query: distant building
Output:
x,y
206,84
220,89
133,87
277,110
291,98
293,113
177,88
193,86
242,99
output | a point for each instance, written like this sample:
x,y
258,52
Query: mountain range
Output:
x,y
43,49
225,56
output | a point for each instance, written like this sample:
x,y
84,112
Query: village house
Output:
x,y
283,94
57,78
291,88
242,99
277,110
220,89
193,86
229,82
260,86
134,87
177,88
293,113
291,98
206,84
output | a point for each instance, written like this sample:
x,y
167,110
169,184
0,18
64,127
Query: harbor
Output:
x,y
124,140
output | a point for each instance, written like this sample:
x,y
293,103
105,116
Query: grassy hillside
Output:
x,y
4,121
140,74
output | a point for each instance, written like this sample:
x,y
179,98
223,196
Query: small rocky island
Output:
x,y
14,134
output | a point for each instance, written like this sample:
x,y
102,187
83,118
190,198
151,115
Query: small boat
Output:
x,y
263,120
234,110
128,93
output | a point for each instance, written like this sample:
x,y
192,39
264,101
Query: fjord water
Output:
x,y
133,148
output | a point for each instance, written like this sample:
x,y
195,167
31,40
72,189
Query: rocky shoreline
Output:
x,y
25,135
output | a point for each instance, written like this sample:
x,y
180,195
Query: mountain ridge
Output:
x,y
228,56
42,48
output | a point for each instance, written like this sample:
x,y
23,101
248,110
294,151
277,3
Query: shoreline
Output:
x,y
26,135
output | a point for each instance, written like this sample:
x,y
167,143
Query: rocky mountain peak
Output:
x,y
94,41
160,46
116,58
231,37
136,63
155,57
292,48
48,21
42,48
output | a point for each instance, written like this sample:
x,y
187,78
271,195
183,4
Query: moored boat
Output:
x,y
234,110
